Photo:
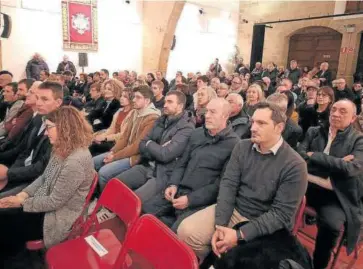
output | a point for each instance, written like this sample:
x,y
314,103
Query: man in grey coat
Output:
x,y
160,149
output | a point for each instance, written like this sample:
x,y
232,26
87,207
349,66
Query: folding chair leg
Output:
x,y
337,254
354,260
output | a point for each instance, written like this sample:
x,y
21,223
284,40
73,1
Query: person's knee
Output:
x,y
331,223
185,231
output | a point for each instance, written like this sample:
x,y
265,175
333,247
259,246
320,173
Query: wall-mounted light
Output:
x,y
127,2
349,28
201,11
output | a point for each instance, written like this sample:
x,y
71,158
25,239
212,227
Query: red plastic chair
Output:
x,y
76,253
151,244
39,244
341,242
299,218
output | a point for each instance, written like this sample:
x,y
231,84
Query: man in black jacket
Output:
x,y
29,158
324,75
195,179
293,73
66,65
342,91
335,165
160,76
160,149
94,109
240,124
264,182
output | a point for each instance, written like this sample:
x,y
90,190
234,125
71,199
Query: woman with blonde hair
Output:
x,y
204,95
254,96
48,207
111,91
104,140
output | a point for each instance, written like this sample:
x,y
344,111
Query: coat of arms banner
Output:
x,y
79,23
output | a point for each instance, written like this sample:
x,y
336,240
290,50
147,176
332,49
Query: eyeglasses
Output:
x,y
49,126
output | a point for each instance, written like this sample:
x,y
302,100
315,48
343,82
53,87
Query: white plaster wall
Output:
x,y
34,30
202,38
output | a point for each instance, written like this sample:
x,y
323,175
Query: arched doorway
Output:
x,y
316,44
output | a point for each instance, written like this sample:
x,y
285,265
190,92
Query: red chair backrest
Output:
x,y
119,199
156,243
299,216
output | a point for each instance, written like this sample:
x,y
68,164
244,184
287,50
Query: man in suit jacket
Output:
x,y
324,75
27,161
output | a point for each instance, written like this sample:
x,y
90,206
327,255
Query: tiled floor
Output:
x,y
309,244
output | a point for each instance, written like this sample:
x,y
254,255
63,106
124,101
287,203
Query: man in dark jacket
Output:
x,y
35,66
195,179
293,73
342,91
240,123
160,76
335,165
160,149
95,108
29,159
66,65
264,182
324,75
271,72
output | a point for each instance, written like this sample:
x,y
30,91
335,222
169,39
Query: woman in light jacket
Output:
x,y
48,207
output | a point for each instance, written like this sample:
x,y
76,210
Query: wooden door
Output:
x,y
314,45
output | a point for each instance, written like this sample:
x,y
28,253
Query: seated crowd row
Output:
x,y
201,159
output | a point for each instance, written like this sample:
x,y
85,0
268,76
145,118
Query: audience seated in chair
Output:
x,y
25,113
240,124
335,164
95,107
195,180
111,93
160,149
159,99
136,126
23,163
104,140
279,250
204,95
47,208
292,131
14,104
264,182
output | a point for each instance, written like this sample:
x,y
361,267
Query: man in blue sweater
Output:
x,y
264,183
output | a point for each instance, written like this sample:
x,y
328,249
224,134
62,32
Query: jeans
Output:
x,y
109,170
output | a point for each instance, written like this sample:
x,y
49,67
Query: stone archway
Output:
x,y
315,44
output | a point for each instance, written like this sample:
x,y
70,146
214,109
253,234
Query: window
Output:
x,y
354,6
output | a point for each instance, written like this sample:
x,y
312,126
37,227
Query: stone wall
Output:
x,y
276,44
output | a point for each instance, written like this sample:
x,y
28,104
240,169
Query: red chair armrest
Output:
x,y
35,245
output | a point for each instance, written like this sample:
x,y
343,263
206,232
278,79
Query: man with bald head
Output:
x,y
335,164
264,183
195,179
240,124
324,75
342,91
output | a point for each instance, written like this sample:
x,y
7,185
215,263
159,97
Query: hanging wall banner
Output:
x,y
80,26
